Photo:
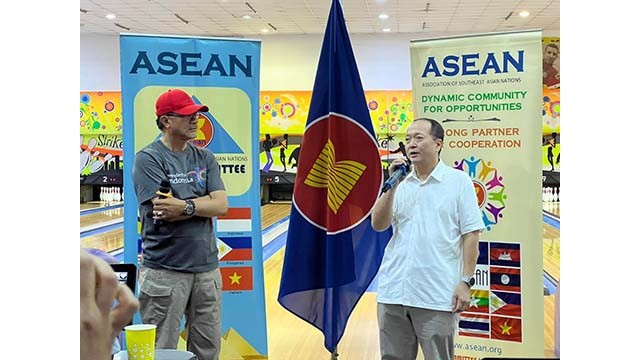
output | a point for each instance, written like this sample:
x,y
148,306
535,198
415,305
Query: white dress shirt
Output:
x,y
422,264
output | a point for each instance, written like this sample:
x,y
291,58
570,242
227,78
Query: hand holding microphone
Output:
x,y
399,169
163,192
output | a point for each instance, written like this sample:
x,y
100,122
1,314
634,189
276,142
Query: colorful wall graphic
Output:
x,y
100,112
551,103
485,91
100,137
285,113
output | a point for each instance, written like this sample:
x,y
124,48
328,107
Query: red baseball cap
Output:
x,y
178,102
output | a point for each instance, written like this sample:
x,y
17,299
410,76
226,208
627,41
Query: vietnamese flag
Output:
x,y
504,328
237,278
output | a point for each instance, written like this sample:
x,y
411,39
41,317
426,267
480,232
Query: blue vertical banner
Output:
x,y
332,252
223,74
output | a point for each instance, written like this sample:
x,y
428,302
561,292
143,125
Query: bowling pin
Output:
x,y
85,156
98,164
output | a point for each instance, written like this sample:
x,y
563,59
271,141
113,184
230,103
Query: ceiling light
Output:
x,y
247,17
524,13
110,16
383,16
386,29
264,31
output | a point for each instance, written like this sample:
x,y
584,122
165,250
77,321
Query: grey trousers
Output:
x,y
403,327
165,296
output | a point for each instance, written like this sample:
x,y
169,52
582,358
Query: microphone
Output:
x,y
396,176
165,188
163,192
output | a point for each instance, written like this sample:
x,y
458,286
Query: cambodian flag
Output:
x,y
332,252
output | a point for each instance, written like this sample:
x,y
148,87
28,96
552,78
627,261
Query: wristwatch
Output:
x,y
468,280
189,208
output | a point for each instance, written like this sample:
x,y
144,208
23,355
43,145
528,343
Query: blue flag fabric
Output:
x,y
332,252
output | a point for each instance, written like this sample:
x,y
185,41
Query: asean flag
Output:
x,y
332,252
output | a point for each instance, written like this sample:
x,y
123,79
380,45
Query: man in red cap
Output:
x,y
180,274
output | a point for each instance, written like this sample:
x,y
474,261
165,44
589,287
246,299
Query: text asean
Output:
x,y
472,64
192,64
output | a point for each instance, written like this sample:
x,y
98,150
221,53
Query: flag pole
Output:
x,y
334,354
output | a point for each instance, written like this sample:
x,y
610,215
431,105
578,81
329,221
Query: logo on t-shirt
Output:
x,y
198,175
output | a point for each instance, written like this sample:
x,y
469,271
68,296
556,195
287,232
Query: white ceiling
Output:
x,y
223,18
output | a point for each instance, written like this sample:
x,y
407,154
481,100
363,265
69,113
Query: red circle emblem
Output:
x,y
481,193
339,174
205,131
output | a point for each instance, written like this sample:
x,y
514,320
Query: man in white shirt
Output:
x,y
426,274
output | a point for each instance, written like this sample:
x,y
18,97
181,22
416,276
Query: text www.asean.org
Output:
x,y
479,348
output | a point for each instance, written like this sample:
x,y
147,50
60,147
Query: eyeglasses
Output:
x,y
190,117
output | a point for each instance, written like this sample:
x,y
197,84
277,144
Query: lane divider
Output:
x,y
100,209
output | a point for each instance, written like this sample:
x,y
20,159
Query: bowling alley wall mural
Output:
x,y
283,115
100,137
551,104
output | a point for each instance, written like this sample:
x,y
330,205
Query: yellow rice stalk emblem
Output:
x,y
338,177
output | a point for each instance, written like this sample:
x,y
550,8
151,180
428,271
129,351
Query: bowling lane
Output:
x,y
91,205
551,251
552,207
272,213
106,216
107,241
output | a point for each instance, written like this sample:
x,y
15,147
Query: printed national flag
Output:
x,y
479,301
237,278
236,220
504,328
332,252
475,325
506,279
239,248
503,303
503,254
223,249
483,256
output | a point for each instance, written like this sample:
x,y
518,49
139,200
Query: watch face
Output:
x,y
189,209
